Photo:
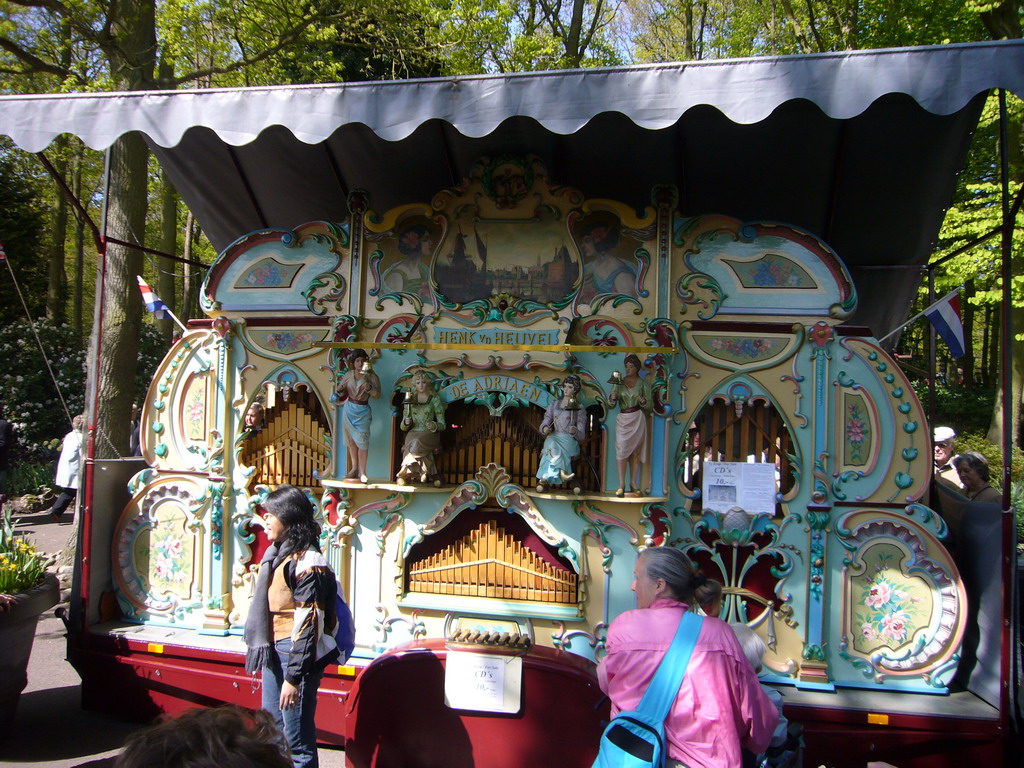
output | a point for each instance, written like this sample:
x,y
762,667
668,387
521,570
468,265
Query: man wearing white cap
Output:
x,y
943,445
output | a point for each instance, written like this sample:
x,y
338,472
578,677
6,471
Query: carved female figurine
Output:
x,y
423,419
355,389
633,396
564,427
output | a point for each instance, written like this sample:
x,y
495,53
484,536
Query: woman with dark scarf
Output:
x,y
289,632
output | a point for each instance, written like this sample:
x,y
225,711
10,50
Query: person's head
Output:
x,y
421,382
254,416
632,361
600,237
943,445
571,384
973,469
356,360
415,241
78,422
225,737
709,597
751,643
288,519
665,572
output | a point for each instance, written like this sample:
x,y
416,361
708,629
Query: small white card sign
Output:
x,y
483,682
728,484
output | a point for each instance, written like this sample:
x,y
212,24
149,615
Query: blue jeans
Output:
x,y
298,724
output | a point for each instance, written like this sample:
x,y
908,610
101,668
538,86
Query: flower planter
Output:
x,y
17,631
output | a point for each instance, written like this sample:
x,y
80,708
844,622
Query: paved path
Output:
x,y
51,730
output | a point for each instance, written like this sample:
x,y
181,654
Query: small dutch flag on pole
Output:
x,y
945,316
154,304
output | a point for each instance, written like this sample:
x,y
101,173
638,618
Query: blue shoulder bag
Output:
x,y
637,739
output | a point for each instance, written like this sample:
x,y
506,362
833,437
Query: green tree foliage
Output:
x,y
31,398
34,401
972,227
227,44
668,30
22,227
524,35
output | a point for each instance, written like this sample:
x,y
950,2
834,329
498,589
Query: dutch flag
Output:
x,y
153,303
944,314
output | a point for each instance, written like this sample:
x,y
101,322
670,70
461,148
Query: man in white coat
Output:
x,y
68,465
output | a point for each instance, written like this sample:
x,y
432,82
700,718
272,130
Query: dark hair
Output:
x,y
603,234
295,511
575,380
683,579
631,358
975,461
406,248
225,737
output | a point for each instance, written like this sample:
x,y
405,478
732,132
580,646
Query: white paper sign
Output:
x,y
728,484
484,682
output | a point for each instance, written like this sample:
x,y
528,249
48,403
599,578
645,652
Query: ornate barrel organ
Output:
x,y
490,297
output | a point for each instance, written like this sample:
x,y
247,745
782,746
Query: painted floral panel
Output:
x,y
743,349
888,605
857,432
771,271
286,341
195,409
164,554
268,273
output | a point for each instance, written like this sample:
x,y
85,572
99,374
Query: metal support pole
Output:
x,y
1009,529
932,362
92,397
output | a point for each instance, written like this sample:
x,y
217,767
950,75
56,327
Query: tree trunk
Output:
x,y
969,314
995,332
986,333
1003,21
78,310
573,53
186,284
995,430
168,244
131,50
122,302
56,277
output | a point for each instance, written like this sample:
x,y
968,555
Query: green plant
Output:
x,y
28,392
963,409
21,567
1017,502
30,476
29,395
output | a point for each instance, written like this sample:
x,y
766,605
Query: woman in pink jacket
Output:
x,y
720,708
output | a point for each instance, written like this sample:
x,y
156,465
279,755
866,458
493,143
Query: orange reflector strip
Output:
x,y
876,719
155,647
348,671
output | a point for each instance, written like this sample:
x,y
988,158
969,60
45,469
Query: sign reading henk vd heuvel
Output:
x,y
488,337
